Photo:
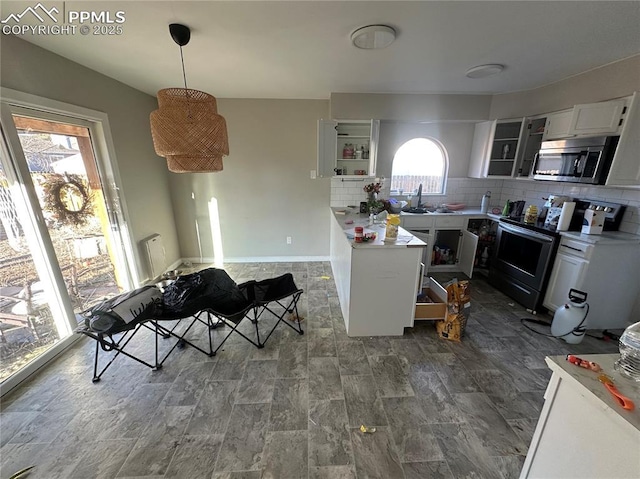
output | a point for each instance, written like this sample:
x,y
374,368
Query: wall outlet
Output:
x,y
288,239
313,174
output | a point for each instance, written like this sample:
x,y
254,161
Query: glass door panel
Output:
x,y
60,250
65,175
31,320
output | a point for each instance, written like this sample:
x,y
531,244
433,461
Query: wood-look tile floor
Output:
x,y
294,408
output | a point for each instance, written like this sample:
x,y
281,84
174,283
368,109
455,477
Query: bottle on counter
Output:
x,y
486,198
391,230
531,215
359,234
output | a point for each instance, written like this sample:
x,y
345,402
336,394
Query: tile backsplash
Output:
x,y
348,191
535,192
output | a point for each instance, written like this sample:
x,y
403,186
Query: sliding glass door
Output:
x,y
61,248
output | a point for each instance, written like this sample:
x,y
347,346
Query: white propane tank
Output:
x,y
570,320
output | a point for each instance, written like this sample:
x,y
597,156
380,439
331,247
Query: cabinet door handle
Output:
x,y
571,247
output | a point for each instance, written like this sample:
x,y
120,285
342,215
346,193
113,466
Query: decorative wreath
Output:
x,y
56,197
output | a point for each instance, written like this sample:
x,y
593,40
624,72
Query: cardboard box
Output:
x,y
435,310
592,222
458,309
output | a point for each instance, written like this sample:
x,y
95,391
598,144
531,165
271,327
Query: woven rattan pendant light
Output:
x,y
186,128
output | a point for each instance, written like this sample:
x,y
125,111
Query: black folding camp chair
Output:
x,y
209,297
260,295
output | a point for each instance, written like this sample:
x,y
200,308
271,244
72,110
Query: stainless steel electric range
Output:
x,y
524,253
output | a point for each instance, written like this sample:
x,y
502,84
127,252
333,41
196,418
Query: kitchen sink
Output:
x,y
425,211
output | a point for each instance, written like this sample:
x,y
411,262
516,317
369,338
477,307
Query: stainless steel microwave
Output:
x,y
576,160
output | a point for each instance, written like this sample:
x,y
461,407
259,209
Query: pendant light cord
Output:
x,y
184,75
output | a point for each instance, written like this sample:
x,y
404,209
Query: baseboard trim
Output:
x,y
260,259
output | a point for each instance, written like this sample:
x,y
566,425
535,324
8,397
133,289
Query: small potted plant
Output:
x,y
372,190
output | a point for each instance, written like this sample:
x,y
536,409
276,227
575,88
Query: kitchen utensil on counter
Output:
x,y
629,344
624,401
583,363
515,208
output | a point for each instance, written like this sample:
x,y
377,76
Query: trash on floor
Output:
x,y
367,430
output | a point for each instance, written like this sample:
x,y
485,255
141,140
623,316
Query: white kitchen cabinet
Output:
x,y
482,236
495,148
589,119
579,410
461,238
453,247
567,273
625,169
558,125
602,267
348,146
376,283
602,118
421,226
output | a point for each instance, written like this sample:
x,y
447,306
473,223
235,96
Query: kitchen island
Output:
x,y
377,282
582,431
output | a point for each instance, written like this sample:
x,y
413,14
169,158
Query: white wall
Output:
x,y
265,192
28,68
409,107
614,80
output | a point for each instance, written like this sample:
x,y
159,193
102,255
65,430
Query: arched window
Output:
x,y
419,161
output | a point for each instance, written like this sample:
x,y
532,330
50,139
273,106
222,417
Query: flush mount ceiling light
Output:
x,y
186,128
373,37
482,71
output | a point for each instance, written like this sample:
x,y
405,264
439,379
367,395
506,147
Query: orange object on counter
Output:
x,y
583,363
624,401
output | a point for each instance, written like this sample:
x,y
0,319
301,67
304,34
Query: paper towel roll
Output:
x,y
566,215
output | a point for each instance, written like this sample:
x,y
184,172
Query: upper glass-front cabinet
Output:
x,y
495,149
347,147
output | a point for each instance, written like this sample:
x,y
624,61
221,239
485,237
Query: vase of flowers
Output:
x,y
373,204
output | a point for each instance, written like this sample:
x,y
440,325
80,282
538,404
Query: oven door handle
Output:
x,y
526,232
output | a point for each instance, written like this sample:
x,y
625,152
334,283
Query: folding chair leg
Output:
x,y
96,378
255,322
210,324
158,364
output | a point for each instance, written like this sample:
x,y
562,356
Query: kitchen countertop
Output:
x,y
582,430
405,239
595,391
465,212
606,237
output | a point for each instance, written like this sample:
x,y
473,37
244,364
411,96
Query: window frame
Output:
x,y
445,173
